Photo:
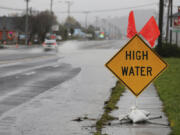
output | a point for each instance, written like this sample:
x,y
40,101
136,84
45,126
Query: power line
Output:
x,y
119,9
8,8
16,9
110,10
91,11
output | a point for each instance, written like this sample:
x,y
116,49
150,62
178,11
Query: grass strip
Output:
x,y
168,87
110,105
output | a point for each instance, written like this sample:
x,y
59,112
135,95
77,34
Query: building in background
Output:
x,y
8,29
176,17
176,26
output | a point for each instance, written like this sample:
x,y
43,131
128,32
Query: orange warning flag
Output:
x,y
150,31
131,30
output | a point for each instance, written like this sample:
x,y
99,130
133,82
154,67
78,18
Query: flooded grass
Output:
x,y
168,86
110,105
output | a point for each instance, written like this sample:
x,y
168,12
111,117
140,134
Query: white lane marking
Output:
x,y
30,73
24,70
25,59
28,69
10,64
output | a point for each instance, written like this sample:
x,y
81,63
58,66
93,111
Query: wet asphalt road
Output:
x,y
26,73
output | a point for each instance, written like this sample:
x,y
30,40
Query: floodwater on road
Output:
x,y
43,96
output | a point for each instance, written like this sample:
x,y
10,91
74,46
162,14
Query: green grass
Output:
x,y
110,105
168,86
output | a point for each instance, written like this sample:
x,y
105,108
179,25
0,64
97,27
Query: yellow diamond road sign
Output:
x,y
136,65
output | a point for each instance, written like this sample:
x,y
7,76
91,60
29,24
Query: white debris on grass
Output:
x,y
137,115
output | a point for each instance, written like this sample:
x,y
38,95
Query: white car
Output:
x,y
50,44
58,38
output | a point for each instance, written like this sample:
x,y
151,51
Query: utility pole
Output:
x,y
167,25
26,25
96,23
86,19
177,38
161,9
171,2
51,6
103,21
69,3
110,31
114,27
51,12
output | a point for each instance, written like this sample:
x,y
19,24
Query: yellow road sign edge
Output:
x,y
151,80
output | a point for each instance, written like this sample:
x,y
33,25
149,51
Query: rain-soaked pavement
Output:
x,y
148,101
41,93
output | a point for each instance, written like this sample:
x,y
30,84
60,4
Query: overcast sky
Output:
x,y
83,5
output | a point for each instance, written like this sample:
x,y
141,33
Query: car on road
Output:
x,y
58,38
50,44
